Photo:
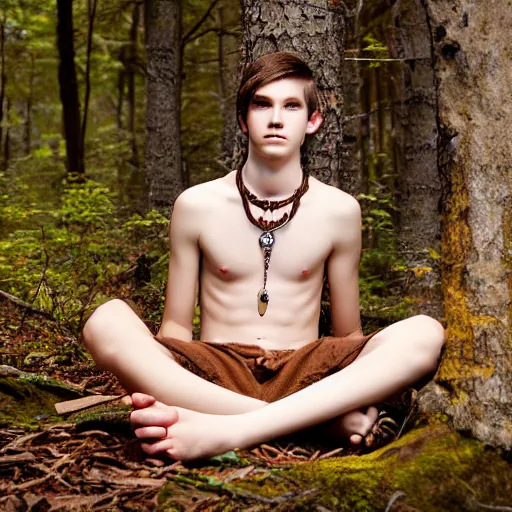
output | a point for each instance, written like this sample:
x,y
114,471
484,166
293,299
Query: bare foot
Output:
x,y
181,433
354,425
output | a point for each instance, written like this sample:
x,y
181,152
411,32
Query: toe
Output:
x,y
141,400
372,413
356,439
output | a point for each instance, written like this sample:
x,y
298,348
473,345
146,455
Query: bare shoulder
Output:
x,y
200,198
337,204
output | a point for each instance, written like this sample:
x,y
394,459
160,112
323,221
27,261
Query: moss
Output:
x,y
456,246
28,401
435,469
507,258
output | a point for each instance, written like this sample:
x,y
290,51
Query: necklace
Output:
x,y
267,239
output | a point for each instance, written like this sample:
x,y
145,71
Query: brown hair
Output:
x,y
270,68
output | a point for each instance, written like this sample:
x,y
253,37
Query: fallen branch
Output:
x,y
25,305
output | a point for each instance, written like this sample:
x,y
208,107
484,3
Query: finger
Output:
x,y
154,432
157,447
153,417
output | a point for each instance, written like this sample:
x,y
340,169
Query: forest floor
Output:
x,y
91,460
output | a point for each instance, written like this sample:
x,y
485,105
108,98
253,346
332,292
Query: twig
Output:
x,y
502,508
199,23
368,59
283,498
25,305
394,497
46,264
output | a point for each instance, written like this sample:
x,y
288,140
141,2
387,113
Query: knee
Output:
x,y
100,323
430,340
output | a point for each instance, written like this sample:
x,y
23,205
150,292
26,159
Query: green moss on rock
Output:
x,y
431,468
28,401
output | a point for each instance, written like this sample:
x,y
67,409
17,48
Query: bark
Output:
x,y
131,74
3,76
228,64
316,33
473,67
419,182
163,84
352,109
27,136
7,143
91,15
69,89
121,76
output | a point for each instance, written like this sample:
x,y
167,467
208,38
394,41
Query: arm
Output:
x,y
180,299
343,267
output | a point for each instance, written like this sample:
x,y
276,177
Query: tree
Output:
x,y
473,86
315,32
163,165
69,89
3,75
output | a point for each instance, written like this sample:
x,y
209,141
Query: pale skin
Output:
x,y
187,417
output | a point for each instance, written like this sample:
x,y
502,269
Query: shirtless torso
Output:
x,y
213,242
215,245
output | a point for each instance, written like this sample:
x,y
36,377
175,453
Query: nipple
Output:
x,y
305,272
223,270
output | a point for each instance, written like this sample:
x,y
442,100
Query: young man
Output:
x,y
258,241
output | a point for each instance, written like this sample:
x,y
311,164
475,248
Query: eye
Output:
x,y
293,105
260,104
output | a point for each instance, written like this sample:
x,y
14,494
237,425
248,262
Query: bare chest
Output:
x,y
231,250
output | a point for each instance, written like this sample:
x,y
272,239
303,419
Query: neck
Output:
x,y
274,179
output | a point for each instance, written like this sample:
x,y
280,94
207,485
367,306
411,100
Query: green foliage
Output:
x,y
375,48
381,269
67,268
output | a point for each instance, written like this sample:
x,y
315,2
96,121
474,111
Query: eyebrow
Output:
x,y
260,97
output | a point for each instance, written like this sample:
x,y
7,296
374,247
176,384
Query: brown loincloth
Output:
x,y
265,374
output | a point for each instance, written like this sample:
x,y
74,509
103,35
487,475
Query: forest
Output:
x,y
109,110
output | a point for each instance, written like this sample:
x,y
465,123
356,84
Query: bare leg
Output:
x,y
121,343
395,358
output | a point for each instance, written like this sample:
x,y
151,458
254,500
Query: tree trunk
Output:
x,y
3,76
228,63
91,15
163,149
316,33
7,143
474,87
131,73
69,89
121,76
352,109
27,136
419,182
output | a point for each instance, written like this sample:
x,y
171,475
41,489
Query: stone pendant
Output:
x,y
263,299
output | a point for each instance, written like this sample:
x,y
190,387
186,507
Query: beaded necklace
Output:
x,y
267,239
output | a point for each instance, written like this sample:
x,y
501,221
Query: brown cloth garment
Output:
x,y
267,375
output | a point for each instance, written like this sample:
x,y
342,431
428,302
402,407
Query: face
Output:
x,y
277,119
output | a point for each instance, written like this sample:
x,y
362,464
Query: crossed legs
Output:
x,y
203,419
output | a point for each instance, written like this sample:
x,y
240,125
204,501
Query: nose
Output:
x,y
276,118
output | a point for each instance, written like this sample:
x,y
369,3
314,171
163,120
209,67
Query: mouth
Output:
x,y
274,136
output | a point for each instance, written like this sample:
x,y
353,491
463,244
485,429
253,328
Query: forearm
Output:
x,y
174,330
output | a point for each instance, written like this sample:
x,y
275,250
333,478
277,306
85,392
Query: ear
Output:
x,y
242,125
314,123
